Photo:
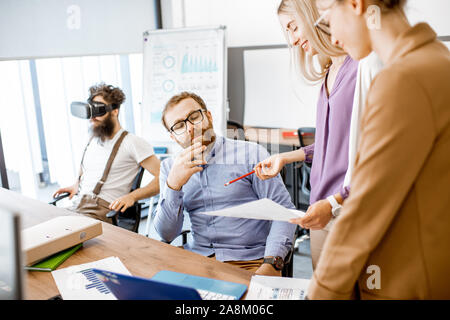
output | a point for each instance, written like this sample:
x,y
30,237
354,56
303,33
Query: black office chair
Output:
x,y
305,132
288,269
131,218
305,170
183,234
235,130
305,187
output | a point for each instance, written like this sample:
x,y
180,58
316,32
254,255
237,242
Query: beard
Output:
x,y
207,133
104,129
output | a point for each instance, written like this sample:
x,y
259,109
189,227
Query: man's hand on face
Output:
x,y
186,164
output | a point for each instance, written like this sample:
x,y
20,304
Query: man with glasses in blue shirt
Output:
x,y
193,182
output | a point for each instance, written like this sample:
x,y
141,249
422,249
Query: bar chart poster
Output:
x,y
189,59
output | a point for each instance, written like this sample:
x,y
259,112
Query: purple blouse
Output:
x,y
330,150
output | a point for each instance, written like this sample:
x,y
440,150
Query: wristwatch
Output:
x,y
335,206
276,262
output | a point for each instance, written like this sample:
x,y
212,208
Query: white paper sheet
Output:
x,y
277,288
263,209
79,282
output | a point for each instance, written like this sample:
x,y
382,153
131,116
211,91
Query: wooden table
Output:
x,y
142,256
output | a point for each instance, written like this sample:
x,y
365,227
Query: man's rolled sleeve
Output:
x,y
169,212
173,197
279,245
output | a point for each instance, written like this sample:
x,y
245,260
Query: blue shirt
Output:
x,y
230,239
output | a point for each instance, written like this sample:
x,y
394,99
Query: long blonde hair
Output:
x,y
305,14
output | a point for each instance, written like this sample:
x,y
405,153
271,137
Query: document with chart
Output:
x,y
277,288
80,282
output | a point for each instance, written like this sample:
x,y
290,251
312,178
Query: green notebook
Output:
x,y
53,262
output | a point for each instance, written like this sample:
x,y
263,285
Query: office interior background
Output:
x,y
52,51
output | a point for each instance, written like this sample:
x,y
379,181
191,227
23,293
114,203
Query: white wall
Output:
x,y
172,14
49,28
273,98
435,12
254,22
248,22
55,28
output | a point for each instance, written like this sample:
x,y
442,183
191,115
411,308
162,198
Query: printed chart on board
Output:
x,y
179,60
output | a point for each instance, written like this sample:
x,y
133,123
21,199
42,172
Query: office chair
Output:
x,y
305,187
288,269
131,218
304,132
305,171
183,234
236,130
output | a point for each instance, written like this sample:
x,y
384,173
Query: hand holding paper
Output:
x,y
263,209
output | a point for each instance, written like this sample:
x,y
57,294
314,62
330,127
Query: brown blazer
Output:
x,y
397,217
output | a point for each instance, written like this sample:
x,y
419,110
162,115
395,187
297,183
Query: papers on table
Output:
x,y
80,283
263,209
277,288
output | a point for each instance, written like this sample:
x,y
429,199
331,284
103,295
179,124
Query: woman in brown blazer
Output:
x,y
392,239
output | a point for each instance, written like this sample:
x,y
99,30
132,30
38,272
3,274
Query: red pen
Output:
x,y
247,174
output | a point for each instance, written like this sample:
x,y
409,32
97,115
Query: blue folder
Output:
x,y
126,287
201,283
165,285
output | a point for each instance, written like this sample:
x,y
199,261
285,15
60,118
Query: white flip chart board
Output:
x,y
272,97
176,60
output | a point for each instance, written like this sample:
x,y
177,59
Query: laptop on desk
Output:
x,y
168,285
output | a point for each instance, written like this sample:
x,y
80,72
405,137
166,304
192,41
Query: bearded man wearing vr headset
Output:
x,y
111,159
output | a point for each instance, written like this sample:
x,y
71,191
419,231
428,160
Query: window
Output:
x,y
18,127
42,156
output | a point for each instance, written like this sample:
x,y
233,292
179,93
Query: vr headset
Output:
x,y
91,109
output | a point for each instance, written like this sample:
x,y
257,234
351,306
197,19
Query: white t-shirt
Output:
x,y
132,151
368,68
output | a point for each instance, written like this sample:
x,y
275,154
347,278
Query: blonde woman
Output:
x,y
392,239
340,75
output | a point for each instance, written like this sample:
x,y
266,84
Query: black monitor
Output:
x,y
11,276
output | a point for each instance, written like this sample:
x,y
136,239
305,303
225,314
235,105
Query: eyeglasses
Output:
x,y
322,25
194,118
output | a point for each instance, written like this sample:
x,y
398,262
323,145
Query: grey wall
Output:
x,y
236,80
55,28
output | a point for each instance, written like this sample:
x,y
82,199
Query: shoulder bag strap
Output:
x,y
99,185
